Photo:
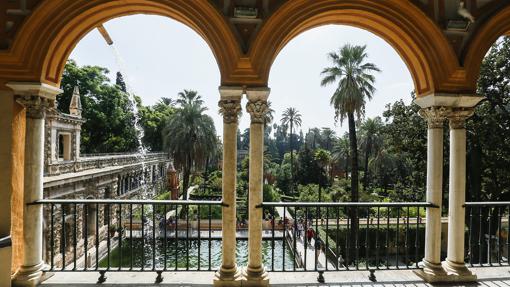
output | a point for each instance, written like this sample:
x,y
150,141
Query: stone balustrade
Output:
x,y
88,162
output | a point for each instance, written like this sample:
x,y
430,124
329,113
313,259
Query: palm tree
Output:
x,y
292,118
327,137
189,135
269,117
355,85
341,153
369,129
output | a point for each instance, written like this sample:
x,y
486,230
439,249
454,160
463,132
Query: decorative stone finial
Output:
x,y
230,109
75,105
257,110
435,116
35,106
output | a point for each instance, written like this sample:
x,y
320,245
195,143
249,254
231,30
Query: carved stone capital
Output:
x,y
36,106
230,110
257,110
458,117
435,116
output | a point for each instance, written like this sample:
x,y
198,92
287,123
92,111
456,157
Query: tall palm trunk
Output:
x,y
186,177
291,162
354,186
368,149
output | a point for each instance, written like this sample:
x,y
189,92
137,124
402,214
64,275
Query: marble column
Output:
x,y
36,98
432,270
255,273
230,108
454,263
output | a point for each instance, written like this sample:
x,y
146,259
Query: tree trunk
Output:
x,y
368,148
185,178
354,186
291,162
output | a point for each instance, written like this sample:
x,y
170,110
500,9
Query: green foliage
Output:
x,y
153,120
190,135
110,120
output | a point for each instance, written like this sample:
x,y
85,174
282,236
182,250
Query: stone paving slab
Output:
x,y
488,277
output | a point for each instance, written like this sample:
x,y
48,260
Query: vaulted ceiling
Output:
x,y
247,16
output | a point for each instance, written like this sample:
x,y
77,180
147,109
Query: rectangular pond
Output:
x,y
190,255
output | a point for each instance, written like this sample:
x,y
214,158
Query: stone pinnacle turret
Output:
x,y
75,105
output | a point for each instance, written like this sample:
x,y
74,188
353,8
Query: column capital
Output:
x,y
435,116
457,117
257,110
230,109
35,106
257,105
37,98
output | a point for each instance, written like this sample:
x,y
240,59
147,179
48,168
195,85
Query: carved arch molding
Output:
x,y
47,36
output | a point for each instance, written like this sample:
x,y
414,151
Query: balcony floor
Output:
x,y
490,277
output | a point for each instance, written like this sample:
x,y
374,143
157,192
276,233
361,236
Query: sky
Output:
x,y
161,57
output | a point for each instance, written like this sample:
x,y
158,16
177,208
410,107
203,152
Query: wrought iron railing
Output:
x,y
131,235
324,237
487,235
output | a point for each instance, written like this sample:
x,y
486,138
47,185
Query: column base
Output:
x,y
28,276
432,272
458,272
227,277
255,277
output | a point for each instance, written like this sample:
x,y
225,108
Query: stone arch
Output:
x,y
427,53
45,41
482,41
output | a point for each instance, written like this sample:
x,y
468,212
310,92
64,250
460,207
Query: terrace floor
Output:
x,y
490,277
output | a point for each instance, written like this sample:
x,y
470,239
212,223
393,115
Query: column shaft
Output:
x,y
454,263
457,195
432,269
230,108
257,107
30,272
255,189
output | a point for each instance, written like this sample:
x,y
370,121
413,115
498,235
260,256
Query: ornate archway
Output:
x,y
45,41
422,46
481,42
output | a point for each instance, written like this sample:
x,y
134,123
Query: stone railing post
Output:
x,y
454,264
432,270
255,273
36,98
230,108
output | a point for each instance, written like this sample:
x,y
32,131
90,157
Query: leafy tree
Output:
x,y
189,135
153,120
342,153
308,169
405,134
488,143
120,82
327,137
292,118
371,139
355,86
107,109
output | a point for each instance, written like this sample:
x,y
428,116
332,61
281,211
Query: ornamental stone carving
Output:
x,y
35,106
231,110
435,116
258,110
458,117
